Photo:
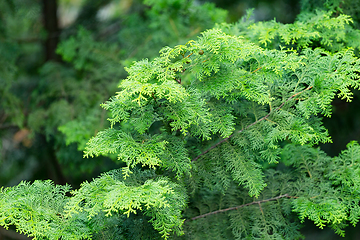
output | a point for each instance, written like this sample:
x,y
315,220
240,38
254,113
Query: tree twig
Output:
x,y
252,124
240,206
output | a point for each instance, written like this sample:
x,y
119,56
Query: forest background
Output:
x,y
61,59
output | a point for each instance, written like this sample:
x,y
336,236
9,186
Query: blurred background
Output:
x,y
60,59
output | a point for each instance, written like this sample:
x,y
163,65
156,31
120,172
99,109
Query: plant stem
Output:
x,y
240,206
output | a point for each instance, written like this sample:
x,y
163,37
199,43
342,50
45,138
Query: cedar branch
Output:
x,y
240,206
252,124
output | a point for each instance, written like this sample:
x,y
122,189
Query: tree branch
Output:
x,y
252,124
244,205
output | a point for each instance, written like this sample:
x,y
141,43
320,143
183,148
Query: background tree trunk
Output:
x,y
52,28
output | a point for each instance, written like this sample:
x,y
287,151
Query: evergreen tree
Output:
x,y
218,139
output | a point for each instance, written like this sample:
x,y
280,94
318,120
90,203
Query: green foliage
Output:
x,y
60,100
44,211
310,30
9,102
217,138
328,195
156,197
263,121
98,61
38,210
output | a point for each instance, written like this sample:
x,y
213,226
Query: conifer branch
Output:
x,y
252,124
240,206
189,55
256,69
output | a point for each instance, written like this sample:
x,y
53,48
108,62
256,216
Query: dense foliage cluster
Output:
x,y
217,137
